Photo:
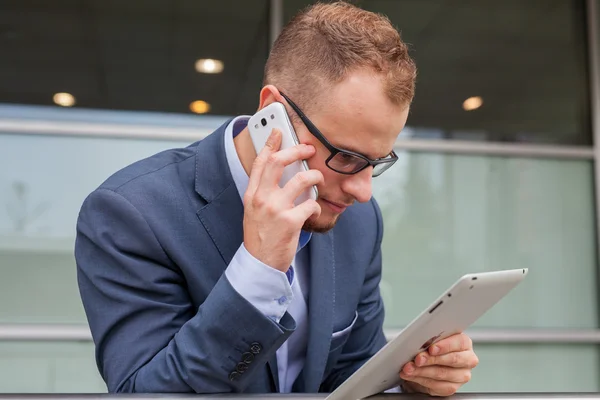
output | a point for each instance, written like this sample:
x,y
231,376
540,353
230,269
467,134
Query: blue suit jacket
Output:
x,y
153,242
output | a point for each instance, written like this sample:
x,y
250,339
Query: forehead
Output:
x,y
357,115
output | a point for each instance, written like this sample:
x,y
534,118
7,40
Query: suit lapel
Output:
x,y
320,310
222,219
223,214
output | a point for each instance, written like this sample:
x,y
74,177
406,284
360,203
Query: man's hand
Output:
x,y
442,369
272,223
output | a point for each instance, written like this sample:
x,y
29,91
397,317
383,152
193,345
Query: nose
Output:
x,y
359,185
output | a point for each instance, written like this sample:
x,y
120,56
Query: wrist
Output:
x,y
264,258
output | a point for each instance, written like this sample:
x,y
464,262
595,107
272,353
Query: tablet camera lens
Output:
x,y
263,122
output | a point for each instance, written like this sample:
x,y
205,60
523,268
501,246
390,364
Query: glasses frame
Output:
x,y
389,159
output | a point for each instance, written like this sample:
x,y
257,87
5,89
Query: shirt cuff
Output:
x,y
266,288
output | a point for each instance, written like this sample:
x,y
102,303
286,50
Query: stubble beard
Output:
x,y
317,226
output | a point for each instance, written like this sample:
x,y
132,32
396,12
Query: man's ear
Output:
x,y
268,94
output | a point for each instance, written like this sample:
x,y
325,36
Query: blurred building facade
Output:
x,y
498,163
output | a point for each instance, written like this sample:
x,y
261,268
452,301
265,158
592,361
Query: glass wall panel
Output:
x,y
41,192
525,59
447,215
41,367
536,368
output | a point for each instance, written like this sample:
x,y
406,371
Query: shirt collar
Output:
x,y
240,178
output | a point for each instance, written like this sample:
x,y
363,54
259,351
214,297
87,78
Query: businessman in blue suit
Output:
x,y
199,274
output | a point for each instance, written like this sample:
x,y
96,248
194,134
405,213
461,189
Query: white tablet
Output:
x,y
453,312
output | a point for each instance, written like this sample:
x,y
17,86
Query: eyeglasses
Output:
x,y
344,161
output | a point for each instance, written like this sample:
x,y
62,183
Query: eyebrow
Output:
x,y
353,150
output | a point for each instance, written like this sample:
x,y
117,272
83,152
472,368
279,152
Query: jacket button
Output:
x,y
247,358
241,368
233,376
255,348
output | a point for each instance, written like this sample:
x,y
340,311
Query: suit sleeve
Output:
x,y
367,336
148,336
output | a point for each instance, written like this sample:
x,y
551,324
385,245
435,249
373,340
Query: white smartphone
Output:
x,y
452,312
260,127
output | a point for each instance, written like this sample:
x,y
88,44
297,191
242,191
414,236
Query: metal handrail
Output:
x,y
56,332
194,133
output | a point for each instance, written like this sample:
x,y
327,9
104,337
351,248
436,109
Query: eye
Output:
x,y
346,157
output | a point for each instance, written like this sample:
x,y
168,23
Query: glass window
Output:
x,y
49,367
526,60
542,368
447,215
134,55
40,201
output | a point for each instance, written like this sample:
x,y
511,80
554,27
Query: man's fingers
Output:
x,y
271,146
459,342
443,368
460,359
276,162
432,387
439,373
299,183
273,141
299,214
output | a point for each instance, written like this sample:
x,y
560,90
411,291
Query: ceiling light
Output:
x,y
472,103
64,99
199,107
209,66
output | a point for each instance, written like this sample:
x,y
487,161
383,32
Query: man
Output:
x,y
198,273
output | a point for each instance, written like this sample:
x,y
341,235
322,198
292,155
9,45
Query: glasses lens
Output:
x,y
381,168
346,163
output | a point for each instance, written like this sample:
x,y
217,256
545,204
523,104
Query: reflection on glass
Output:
x,y
19,209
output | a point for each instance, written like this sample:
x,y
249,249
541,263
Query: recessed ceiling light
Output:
x,y
199,107
209,66
64,99
472,103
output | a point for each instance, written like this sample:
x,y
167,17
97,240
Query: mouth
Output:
x,y
336,207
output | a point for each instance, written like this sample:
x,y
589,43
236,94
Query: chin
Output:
x,y
323,224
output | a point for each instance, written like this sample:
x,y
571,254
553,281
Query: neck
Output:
x,y
245,149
